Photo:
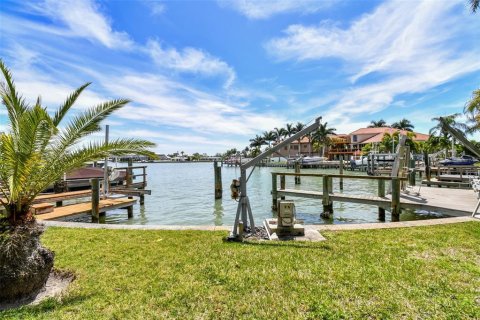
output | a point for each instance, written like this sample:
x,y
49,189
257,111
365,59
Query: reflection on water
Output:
x,y
218,211
183,194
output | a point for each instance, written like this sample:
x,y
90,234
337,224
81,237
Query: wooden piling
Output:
x,y
326,201
381,193
282,185
274,191
297,170
130,212
218,180
129,176
396,210
341,172
412,172
95,199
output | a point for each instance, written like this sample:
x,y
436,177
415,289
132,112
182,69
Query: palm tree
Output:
x,y
289,131
474,5
299,127
472,110
280,133
269,137
439,130
320,136
377,124
35,151
403,124
257,142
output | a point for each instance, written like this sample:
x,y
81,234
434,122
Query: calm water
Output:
x,y
182,194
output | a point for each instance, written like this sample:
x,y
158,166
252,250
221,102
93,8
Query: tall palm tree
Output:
x,y
472,110
35,151
474,5
257,142
439,130
403,124
299,127
320,136
280,133
269,137
377,124
289,131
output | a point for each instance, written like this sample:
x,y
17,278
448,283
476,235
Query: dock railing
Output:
x,y
328,196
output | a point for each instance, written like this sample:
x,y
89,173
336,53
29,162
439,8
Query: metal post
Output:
x,y
243,195
381,193
95,199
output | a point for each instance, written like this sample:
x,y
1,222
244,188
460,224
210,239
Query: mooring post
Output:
x,y
297,170
326,200
130,212
341,172
412,172
330,184
274,191
218,180
395,199
282,185
381,193
144,185
95,199
129,175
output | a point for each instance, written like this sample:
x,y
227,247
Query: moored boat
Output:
x,y
462,161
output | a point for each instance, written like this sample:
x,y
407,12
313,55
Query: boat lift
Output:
x,y
456,134
244,210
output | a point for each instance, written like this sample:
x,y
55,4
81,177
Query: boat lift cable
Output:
x,y
244,210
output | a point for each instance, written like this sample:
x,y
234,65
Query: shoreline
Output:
x,y
341,227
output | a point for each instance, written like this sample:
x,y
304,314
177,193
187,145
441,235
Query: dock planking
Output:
x,y
454,202
81,208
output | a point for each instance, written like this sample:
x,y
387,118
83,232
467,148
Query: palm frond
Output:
x,y
65,107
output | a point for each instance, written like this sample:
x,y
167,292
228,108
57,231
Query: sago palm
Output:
x,y
38,148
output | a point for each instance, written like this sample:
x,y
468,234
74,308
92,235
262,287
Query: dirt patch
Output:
x,y
56,285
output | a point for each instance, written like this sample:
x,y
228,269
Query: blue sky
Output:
x,y
206,76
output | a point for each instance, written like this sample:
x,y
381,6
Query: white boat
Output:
x,y
313,160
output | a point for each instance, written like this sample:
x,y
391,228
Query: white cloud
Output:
x,y
190,60
157,8
254,9
410,46
160,101
83,19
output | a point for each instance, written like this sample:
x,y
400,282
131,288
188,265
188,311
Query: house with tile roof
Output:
x,y
346,145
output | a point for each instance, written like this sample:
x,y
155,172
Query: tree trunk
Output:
x,y
24,263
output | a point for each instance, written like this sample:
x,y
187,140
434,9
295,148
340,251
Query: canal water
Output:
x,y
183,194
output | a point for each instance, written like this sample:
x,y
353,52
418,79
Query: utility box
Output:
x,y
285,225
286,214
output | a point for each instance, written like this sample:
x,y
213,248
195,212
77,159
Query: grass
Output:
x,y
412,273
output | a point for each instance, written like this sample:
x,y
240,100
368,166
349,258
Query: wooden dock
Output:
x,y
454,202
86,208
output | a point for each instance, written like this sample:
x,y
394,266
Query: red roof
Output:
x,y
380,132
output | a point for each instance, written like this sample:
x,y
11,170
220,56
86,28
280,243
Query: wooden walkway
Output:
x,y
454,202
54,197
70,210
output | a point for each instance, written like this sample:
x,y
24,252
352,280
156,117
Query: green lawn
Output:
x,y
421,273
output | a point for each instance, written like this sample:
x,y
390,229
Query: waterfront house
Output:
x,y
346,145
